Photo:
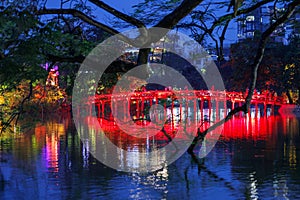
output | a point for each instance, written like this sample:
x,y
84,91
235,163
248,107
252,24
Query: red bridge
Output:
x,y
195,100
196,108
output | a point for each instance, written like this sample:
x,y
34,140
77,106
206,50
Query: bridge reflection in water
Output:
x,y
258,157
142,121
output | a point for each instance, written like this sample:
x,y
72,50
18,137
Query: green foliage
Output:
x,y
29,40
42,100
19,47
279,70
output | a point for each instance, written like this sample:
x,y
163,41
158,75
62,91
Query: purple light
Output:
x,y
45,66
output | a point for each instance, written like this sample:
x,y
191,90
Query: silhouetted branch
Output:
x,y
75,59
120,15
85,18
222,38
16,115
222,19
201,166
170,20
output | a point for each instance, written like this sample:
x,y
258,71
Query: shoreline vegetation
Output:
x,y
31,103
34,102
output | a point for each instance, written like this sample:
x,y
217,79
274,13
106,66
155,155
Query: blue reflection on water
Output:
x,y
256,159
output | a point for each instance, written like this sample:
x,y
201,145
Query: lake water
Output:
x,y
255,158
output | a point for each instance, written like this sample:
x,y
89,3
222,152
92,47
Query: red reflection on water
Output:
x,y
267,129
259,128
125,140
250,128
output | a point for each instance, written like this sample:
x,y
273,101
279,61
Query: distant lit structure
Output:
x,y
257,21
52,79
249,24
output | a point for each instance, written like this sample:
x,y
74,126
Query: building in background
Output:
x,y
257,21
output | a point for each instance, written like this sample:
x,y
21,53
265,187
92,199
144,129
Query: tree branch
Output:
x,y
139,24
75,59
170,20
257,61
27,98
18,113
239,12
222,19
86,19
222,38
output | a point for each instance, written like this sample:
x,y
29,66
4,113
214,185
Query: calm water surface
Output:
x,y
254,159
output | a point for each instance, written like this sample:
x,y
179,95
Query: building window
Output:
x,y
250,27
250,34
250,18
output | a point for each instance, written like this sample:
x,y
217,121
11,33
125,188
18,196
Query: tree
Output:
x,y
291,69
279,70
269,73
28,43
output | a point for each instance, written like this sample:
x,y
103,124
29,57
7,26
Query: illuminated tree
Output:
x,y
291,69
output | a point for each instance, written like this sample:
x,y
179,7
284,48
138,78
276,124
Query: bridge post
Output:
x,y
113,107
90,108
98,107
125,105
143,107
128,107
232,104
186,108
225,106
273,108
195,110
156,103
217,110
180,110
249,112
209,108
102,110
240,113
201,109
138,108
256,109
172,113
165,113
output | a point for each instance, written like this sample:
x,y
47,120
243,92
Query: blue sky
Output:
x,y
126,6
118,4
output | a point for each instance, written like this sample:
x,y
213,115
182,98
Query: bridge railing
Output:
x,y
264,97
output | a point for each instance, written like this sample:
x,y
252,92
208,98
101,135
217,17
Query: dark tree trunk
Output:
x,y
143,60
143,56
